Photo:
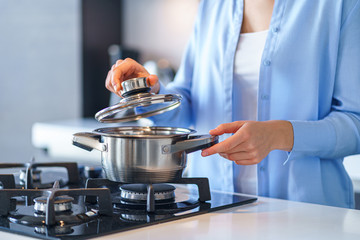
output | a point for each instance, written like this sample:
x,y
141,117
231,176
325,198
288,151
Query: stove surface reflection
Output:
x,y
92,207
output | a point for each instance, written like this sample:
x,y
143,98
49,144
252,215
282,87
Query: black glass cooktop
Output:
x,y
122,220
80,204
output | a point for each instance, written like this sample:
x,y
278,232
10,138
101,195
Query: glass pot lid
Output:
x,y
138,103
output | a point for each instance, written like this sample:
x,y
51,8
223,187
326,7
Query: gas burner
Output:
x,y
30,174
62,221
150,198
36,204
52,205
132,211
36,176
61,204
139,192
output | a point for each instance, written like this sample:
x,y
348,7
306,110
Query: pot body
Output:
x,y
141,160
143,154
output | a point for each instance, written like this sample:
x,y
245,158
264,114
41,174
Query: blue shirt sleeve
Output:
x,y
338,134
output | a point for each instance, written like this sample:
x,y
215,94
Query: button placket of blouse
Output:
x,y
264,95
264,86
275,29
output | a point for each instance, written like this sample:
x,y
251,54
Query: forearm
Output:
x,y
282,134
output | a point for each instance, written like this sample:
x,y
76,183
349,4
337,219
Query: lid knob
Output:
x,y
134,85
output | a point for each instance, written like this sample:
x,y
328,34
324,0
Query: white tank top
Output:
x,y
245,90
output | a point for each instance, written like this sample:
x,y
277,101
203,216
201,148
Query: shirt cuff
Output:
x,y
312,138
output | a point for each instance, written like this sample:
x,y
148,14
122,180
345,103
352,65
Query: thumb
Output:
x,y
152,79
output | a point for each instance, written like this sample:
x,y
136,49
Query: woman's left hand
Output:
x,y
252,141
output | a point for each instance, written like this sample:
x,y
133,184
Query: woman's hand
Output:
x,y
252,140
125,69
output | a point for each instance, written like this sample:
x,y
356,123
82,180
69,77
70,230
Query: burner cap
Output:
x,y
61,204
138,192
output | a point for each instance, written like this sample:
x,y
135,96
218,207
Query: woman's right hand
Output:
x,y
125,69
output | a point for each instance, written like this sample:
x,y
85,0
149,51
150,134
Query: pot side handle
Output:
x,y
88,141
194,143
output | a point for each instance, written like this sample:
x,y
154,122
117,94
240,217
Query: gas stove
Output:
x,y
65,201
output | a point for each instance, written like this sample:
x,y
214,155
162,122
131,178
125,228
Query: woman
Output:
x,y
293,66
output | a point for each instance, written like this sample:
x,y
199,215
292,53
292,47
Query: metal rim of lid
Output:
x,y
141,100
144,132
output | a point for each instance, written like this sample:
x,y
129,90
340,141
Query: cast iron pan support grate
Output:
x,y
7,181
202,184
103,195
71,167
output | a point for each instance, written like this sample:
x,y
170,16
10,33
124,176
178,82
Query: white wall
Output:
x,y
39,69
159,28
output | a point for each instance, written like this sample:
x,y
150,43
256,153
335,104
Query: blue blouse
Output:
x,y
310,75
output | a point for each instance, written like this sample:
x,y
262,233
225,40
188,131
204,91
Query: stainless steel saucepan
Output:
x,y
143,154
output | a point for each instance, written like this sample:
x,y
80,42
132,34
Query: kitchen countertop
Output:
x,y
265,219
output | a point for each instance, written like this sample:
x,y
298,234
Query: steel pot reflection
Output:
x,y
143,154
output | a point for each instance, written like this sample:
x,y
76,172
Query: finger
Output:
x,y
117,76
224,146
114,85
227,128
118,62
152,79
108,85
240,147
241,155
125,70
224,155
246,162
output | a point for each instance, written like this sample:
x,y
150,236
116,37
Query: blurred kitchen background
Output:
x,y
54,57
